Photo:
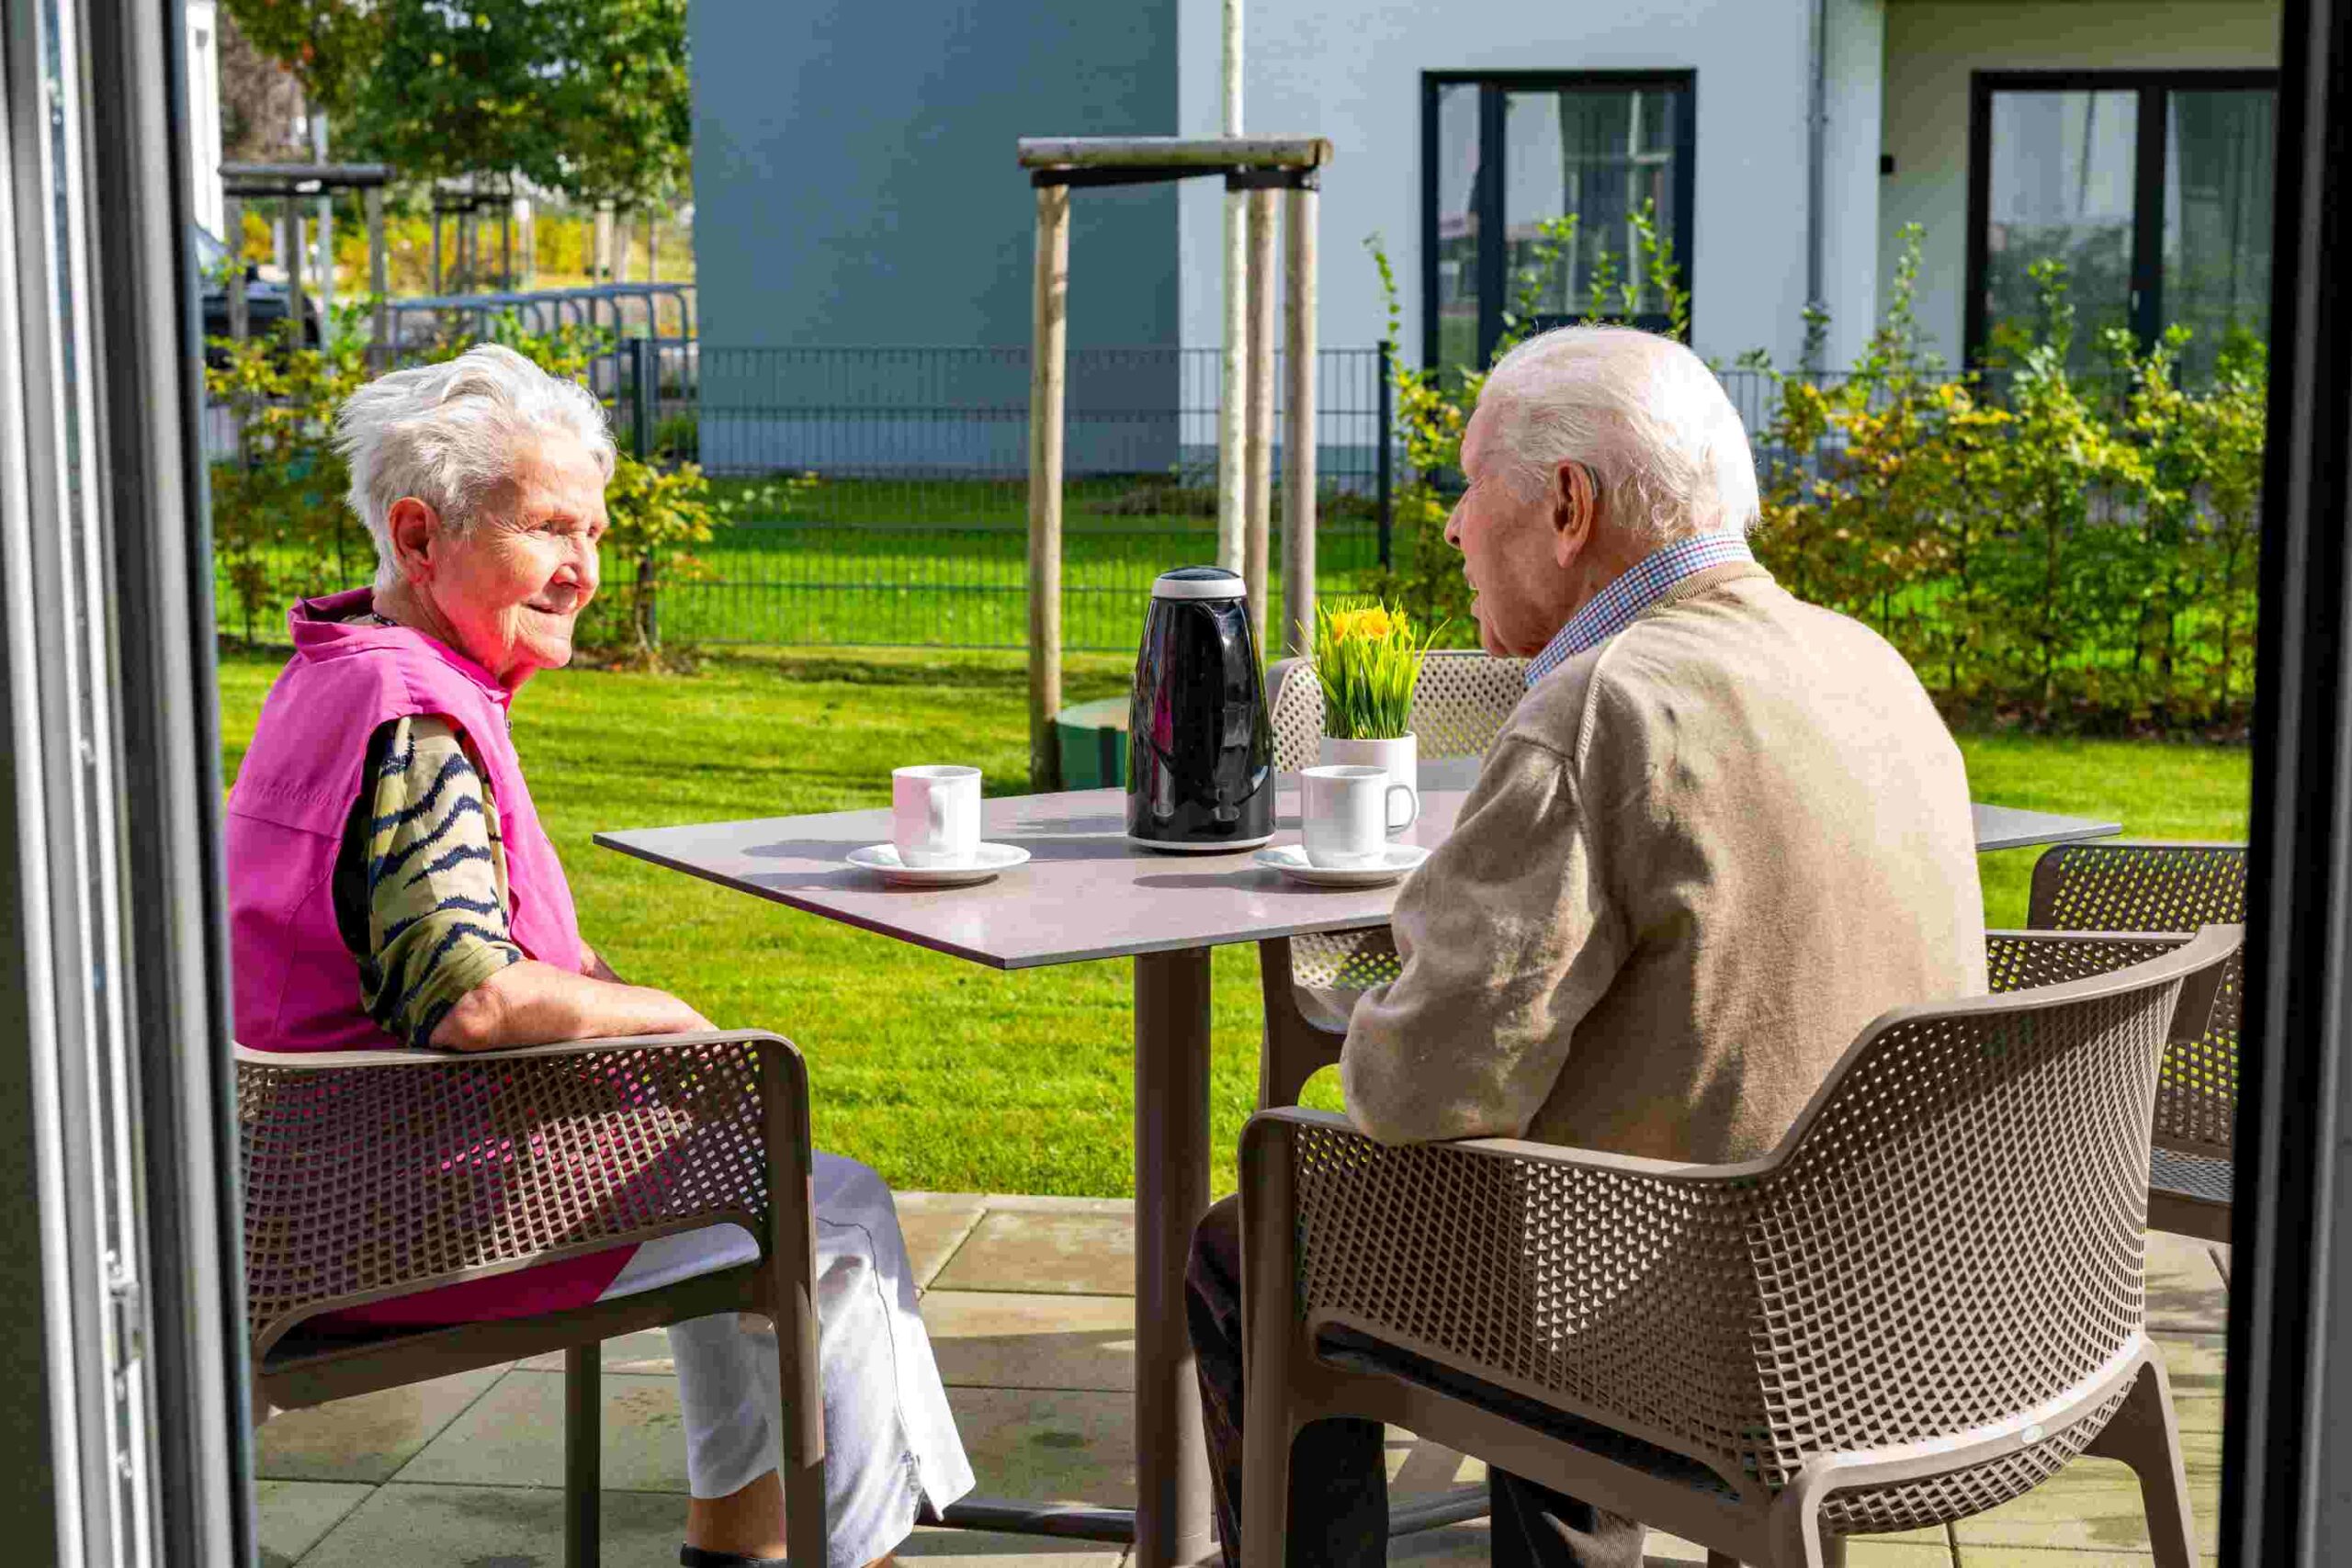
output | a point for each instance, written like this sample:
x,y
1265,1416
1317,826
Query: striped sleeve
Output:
x,y
434,879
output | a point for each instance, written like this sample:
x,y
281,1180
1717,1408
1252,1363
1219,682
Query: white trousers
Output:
x,y
890,1444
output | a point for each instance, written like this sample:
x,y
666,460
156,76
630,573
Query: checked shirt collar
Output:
x,y
1613,608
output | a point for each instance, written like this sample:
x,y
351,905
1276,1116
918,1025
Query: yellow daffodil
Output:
x,y
1368,659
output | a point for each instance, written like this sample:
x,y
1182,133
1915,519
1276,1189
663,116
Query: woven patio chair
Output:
x,y
2121,886
1926,1300
1311,983
374,1174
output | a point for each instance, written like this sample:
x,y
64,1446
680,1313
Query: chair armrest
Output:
x,y
412,1056
374,1174
2024,960
2020,960
1618,1289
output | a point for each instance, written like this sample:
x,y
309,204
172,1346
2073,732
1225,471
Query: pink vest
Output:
x,y
296,986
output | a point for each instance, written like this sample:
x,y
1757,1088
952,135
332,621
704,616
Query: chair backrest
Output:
x,y
2162,887
1950,1236
1954,1231
371,1181
1458,707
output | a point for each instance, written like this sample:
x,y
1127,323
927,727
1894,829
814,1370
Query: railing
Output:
x,y
658,313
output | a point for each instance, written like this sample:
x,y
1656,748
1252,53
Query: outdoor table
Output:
x,y
1086,894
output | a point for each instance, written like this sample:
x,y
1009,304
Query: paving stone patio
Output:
x,y
1027,1302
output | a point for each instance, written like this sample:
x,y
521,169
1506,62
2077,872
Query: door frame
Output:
x,y
2146,304
1486,198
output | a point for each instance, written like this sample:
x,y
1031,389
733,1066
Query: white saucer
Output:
x,y
1291,860
1222,846
986,863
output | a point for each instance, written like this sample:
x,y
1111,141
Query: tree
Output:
x,y
260,99
589,98
464,90
328,45
624,107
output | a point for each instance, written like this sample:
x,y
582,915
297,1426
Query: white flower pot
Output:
x,y
1400,756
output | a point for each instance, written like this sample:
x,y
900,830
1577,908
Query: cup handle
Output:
x,y
1412,807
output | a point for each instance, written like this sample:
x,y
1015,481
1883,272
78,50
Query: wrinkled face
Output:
x,y
510,587
1513,551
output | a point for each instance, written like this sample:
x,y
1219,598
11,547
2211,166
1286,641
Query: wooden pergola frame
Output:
x,y
291,183
1263,166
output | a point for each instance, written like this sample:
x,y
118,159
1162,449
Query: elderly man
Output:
x,y
391,884
1723,830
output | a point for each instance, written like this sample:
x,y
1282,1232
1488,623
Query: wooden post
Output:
x,y
1258,463
1298,441
1048,343
380,273
652,246
1233,395
295,311
232,218
604,264
436,243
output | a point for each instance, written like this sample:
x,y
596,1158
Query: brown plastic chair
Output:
x,y
374,1174
2131,887
1927,1300
1310,983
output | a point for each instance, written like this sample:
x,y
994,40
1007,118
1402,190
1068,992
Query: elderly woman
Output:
x,y
391,884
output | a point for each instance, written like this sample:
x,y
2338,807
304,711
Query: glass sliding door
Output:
x,y
2063,167
126,1421
1452,135
1507,157
1598,157
2153,190
2218,151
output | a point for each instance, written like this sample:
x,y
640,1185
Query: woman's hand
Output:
x,y
532,1003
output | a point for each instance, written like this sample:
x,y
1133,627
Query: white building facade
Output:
x,y
1784,145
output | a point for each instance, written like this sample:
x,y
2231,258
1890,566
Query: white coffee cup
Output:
x,y
1347,813
935,813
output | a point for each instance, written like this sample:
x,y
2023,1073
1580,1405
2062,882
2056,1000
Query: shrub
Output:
x,y
2068,540
2046,544
281,530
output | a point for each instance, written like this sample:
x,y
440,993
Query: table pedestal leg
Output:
x,y
1172,1501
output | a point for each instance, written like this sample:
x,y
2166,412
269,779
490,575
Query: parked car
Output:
x,y
265,307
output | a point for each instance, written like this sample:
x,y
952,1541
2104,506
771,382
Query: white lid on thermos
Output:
x,y
1199,582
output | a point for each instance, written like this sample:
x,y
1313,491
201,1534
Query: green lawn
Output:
x,y
939,1073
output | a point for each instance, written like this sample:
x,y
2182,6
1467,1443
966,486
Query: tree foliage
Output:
x,y
588,97
331,46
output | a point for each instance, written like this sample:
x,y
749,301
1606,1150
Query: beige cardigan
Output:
x,y
1698,860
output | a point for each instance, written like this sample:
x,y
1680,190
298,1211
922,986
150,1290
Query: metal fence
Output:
x,y
879,496
914,529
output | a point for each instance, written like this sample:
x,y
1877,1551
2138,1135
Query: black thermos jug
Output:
x,y
1199,749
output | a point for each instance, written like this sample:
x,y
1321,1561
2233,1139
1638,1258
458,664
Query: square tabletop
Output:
x,y
1086,892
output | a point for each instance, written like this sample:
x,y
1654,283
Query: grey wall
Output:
x,y
853,173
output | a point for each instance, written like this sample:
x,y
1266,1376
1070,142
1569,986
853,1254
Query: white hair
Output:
x,y
1643,412
448,434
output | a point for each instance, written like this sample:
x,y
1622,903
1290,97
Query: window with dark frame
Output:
x,y
1502,152
2153,187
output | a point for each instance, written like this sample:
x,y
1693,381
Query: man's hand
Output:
x,y
532,1003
